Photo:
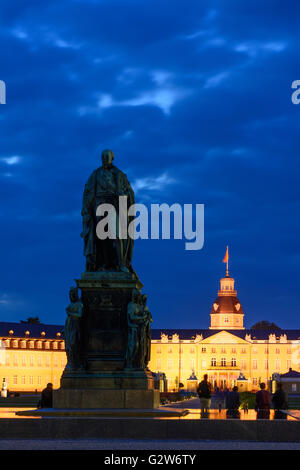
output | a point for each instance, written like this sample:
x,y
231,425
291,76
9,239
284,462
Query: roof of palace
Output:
x,y
255,334
35,330
227,304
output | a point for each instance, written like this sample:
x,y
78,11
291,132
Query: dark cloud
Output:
x,y
195,100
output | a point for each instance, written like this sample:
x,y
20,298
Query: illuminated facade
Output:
x,y
31,355
225,349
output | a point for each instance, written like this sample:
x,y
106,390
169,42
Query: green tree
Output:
x,y
265,325
32,320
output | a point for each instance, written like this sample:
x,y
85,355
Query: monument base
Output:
x,y
161,412
105,399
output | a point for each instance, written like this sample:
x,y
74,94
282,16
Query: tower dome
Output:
x,y
226,311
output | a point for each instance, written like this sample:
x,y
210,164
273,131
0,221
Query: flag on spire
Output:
x,y
226,257
225,260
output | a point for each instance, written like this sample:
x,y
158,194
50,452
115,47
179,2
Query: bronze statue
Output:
x,y
105,186
72,331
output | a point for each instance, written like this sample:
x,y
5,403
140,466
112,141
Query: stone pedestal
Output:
x,y
103,381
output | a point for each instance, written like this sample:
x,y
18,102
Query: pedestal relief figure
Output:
x,y
72,331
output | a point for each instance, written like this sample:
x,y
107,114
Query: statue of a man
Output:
x,y
105,186
72,331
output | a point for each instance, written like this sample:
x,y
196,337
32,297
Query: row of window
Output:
x,y
30,380
223,350
32,361
223,363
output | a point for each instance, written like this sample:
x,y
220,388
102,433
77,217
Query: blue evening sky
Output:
x,y
194,98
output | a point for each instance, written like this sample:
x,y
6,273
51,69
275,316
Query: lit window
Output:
x,y
213,350
170,364
233,362
158,350
31,380
213,361
266,364
223,361
23,379
294,387
192,350
15,379
277,364
226,320
203,350
254,365
233,350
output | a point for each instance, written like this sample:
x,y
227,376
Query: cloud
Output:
x,y
13,160
153,183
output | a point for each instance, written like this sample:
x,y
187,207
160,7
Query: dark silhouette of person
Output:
x,y
47,397
280,402
232,403
263,402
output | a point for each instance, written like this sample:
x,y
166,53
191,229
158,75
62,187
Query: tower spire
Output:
x,y
225,260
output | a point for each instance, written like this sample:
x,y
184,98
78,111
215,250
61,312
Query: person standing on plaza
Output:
x,y
204,393
280,402
232,403
263,402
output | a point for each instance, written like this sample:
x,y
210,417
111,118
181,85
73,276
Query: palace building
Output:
x,y
31,355
226,351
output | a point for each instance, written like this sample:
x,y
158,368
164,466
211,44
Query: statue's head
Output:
x,y
107,158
